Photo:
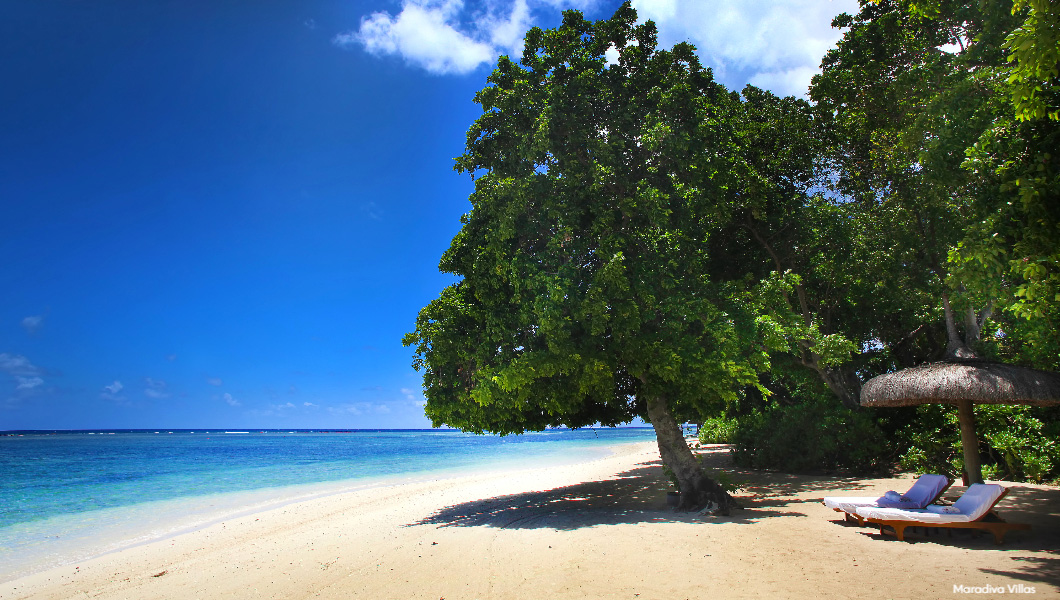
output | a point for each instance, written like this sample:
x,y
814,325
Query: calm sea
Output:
x,y
67,496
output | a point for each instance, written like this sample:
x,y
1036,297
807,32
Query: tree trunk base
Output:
x,y
706,497
698,491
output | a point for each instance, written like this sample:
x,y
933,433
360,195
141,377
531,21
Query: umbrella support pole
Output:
x,y
966,418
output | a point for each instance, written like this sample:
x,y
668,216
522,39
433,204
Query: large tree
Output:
x,y
906,107
931,128
833,265
584,293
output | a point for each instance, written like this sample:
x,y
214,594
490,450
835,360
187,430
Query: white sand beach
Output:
x,y
594,530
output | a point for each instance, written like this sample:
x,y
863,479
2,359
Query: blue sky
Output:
x,y
226,213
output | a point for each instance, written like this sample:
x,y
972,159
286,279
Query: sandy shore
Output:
x,y
594,530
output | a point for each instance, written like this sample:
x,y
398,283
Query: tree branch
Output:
x,y
804,304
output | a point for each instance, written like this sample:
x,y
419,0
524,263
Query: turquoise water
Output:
x,y
71,495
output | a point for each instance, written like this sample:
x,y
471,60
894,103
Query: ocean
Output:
x,y
68,496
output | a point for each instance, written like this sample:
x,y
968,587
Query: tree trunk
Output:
x,y
953,341
698,491
955,346
844,383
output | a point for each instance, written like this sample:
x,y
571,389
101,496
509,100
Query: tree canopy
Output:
x,y
585,293
927,126
644,243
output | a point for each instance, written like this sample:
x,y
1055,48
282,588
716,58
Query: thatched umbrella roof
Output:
x,y
963,383
949,382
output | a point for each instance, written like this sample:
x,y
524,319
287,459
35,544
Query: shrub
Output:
x,y
1016,443
817,435
717,430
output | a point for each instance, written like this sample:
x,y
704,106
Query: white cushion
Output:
x,y
925,489
971,506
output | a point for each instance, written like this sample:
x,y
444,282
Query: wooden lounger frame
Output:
x,y
999,528
846,516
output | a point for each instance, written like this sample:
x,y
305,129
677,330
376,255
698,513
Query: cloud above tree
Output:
x,y
442,36
774,44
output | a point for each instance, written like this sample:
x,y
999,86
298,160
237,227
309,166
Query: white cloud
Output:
x,y
582,5
110,392
792,82
359,408
415,396
611,55
777,43
230,400
659,10
215,381
442,37
156,388
372,211
27,376
506,33
32,323
279,410
310,405
28,383
351,409
18,366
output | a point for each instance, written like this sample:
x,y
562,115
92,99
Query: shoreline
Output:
x,y
589,530
172,518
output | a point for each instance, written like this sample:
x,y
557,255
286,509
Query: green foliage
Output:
x,y
1017,443
814,436
932,442
725,480
1016,241
585,286
905,110
638,234
1034,51
674,481
717,430
944,122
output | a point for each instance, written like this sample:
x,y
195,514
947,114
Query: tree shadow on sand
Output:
x,y
773,484
634,496
1033,569
1040,572
639,496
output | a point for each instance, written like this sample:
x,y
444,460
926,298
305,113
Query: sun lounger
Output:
x,y
973,510
926,490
